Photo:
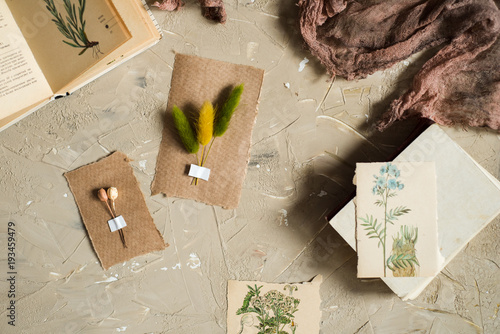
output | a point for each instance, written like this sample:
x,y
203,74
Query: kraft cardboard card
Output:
x,y
140,233
196,80
396,216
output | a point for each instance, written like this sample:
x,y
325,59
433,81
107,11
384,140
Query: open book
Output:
x,y
50,48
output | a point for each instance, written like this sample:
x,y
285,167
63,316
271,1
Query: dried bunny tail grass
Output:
x,y
185,130
206,123
226,112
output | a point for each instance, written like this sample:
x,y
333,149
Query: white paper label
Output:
x,y
199,172
116,224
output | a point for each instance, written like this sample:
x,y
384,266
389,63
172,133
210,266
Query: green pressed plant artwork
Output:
x,y
72,25
403,259
274,310
212,122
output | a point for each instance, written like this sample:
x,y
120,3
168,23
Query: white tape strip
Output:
x,y
199,172
116,224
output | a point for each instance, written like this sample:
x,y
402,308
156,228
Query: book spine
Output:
x,y
146,7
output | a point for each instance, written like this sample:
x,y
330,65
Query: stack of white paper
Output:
x,y
468,198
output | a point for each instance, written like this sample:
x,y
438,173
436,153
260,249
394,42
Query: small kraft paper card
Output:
x,y
258,307
396,219
195,160
117,220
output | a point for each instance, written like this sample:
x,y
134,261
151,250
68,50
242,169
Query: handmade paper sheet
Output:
x,y
141,234
195,80
259,307
469,204
396,219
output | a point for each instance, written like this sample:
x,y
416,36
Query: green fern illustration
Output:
x,y
374,229
72,27
393,214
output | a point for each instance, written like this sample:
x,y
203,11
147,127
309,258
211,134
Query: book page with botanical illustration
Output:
x,y
143,32
68,37
21,81
396,219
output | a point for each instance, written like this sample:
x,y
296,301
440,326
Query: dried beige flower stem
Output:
x,y
104,198
111,195
122,237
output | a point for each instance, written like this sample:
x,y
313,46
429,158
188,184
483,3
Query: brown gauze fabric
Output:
x,y
458,85
214,10
195,80
141,234
169,5
211,9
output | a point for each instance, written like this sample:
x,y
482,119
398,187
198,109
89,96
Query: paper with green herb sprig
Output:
x,y
59,61
396,219
287,308
194,81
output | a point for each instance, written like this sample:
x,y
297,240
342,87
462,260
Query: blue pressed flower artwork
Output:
x,y
383,169
392,184
387,220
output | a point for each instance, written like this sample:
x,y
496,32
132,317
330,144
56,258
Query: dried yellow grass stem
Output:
x,y
205,124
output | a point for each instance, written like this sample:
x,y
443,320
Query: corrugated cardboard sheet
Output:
x,y
195,80
141,234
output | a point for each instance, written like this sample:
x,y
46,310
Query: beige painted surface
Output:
x,y
309,133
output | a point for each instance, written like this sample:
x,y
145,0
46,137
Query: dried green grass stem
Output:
x,y
186,132
225,113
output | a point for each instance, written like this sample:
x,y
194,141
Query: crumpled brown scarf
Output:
x,y
459,85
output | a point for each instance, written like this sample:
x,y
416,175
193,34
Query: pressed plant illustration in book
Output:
x,y
51,48
72,25
69,37
396,219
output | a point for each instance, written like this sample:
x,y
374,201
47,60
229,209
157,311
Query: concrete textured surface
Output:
x,y
309,133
